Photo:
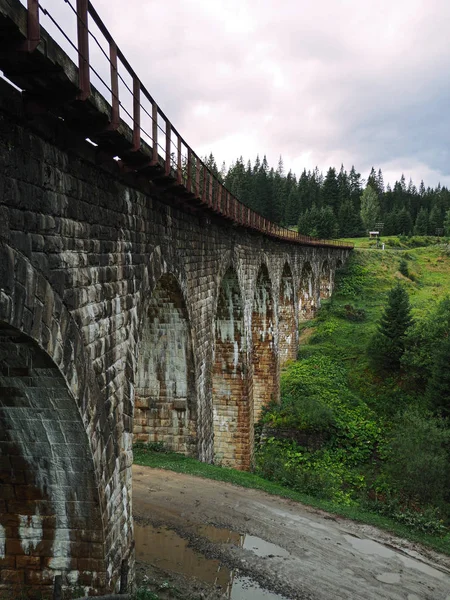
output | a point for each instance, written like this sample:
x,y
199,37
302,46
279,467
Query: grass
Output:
x,y
394,241
363,284
183,464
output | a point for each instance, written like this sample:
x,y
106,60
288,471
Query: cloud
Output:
x,y
317,81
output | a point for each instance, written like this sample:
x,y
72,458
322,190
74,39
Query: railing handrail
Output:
x,y
191,173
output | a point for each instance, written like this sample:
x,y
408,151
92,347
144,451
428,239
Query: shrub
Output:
x,y
438,390
351,313
403,268
417,464
423,340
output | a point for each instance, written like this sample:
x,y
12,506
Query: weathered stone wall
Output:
x,y
165,408
83,247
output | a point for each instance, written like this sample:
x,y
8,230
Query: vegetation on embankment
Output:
x,y
385,447
382,455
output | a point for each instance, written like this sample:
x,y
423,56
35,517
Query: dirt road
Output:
x,y
223,541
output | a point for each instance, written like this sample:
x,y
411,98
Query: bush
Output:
x,y
423,340
317,474
351,313
403,268
417,463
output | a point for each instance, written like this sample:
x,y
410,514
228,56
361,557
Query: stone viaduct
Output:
x,y
131,307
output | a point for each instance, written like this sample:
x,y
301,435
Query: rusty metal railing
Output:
x,y
169,151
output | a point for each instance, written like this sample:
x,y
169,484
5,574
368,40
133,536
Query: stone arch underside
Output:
x,y
230,389
306,298
264,358
325,280
50,517
287,326
165,409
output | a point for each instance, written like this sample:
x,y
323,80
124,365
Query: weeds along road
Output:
x,y
217,533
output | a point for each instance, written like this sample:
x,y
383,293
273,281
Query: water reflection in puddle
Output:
x,y
165,549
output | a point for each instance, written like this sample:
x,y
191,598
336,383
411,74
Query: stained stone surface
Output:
x,y
120,316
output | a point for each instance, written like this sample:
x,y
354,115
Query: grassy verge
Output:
x,y
183,464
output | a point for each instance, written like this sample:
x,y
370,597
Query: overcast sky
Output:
x,y
321,82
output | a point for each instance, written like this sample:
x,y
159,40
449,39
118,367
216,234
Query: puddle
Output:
x,y
165,549
262,548
369,547
422,567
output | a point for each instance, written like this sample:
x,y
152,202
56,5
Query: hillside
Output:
x,y
366,438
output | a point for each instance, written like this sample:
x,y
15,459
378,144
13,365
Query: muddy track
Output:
x,y
223,541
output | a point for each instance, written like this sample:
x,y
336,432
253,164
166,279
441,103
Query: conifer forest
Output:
x,y
340,203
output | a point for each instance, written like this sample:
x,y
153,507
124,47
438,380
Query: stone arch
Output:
x,y
306,296
264,359
165,407
339,263
49,488
230,393
287,325
50,394
325,284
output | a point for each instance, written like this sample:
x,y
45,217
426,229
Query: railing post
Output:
x,y
197,177
33,27
136,113
205,176
219,198
155,133
179,174
168,147
189,170
115,114
83,49
211,197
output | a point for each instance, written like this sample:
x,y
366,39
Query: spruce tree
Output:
x,y
330,190
421,226
447,223
388,343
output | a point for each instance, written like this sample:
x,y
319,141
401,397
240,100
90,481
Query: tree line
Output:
x,y
339,204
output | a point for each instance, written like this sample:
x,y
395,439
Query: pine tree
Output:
x,y
404,222
355,187
380,182
447,223
421,225
435,220
388,344
330,190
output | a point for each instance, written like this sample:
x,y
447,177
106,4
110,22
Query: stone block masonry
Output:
x,y
121,317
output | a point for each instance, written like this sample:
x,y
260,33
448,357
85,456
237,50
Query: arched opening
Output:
x,y
50,517
230,390
165,408
339,263
287,327
263,353
306,300
325,280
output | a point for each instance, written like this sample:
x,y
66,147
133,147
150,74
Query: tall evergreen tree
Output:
x,y
421,225
330,190
388,344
